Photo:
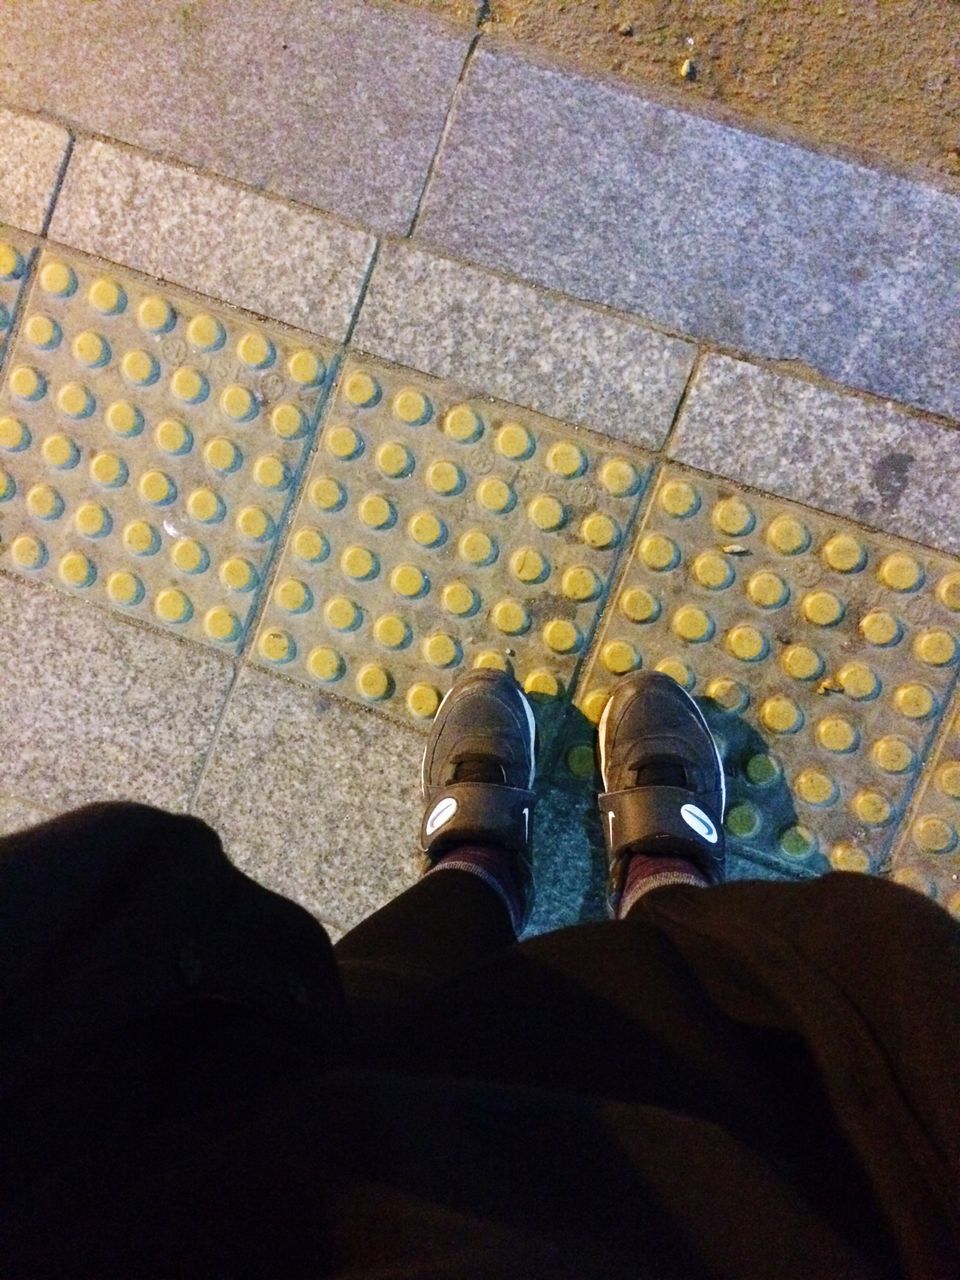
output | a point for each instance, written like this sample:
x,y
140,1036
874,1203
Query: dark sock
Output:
x,y
496,867
644,874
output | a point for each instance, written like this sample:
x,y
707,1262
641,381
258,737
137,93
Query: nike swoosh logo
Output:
x,y
610,820
526,825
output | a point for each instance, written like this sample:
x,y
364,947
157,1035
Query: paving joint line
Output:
x,y
215,737
58,185
361,296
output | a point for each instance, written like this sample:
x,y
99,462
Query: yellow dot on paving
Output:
x,y
844,553
900,572
639,605
510,617
893,755
580,583
743,820
238,402
172,605
277,646
423,701
155,314
27,383
847,857
592,705
822,608
407,580
293,595
425,529
561,636
108,469
394,459
255,523
762,769
801,662
658,552
359,563
815,787
546,512
75,400
271,472
342,614
872,808
140,367
495,494
729,694
880,628
288,422
858,681
528,565
746,642
477,547
580,760
788,535
76,570
934,835
915,701
256,350
13,434
441,650
911,878
360,389
781,715
172,436
410,406
91,348
713,571
936,648
462,423
189,555
106,296
514,441
619,657
619,477
221,623
206,332
542,682
948,591
343,442
373,682
327,494
599,531
238,574
124,418
157,487
834,733
305,368
566,459
11,261
140,538
679,498
692,624
325,663
222,454
391,631
188,384
124,587
7,486
376,511
797,841
768,590
59,451
41,331
444,477
948,779
733,517
27,551
459,599
204,505
44,502
92,519
677,670
57,278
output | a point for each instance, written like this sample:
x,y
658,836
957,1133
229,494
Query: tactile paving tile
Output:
x,y
928,855
16,251
827,652
439,532
149,446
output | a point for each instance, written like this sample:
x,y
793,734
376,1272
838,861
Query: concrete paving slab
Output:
x,y
94,707
278,260
16,259
826,656
151,445
705,229
16,813
509,340
334,103
32,153
869,461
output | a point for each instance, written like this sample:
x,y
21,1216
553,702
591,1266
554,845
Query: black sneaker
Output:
x,y
664,789
478,770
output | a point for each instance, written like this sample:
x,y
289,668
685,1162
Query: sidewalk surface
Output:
x,y
342,351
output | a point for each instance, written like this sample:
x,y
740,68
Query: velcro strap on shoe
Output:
x,y
688,827
477,813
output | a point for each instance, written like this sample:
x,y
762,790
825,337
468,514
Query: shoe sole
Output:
x,y
531,725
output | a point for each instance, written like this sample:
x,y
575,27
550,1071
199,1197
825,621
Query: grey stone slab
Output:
x,y
314,798
93,707
31,155
578,363
872,462
17,813
289,263
334,103
702,228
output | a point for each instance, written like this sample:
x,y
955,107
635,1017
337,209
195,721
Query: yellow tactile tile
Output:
x,y
835,646
149,444
927,856
445,533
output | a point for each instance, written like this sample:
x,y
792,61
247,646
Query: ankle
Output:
x,y
645,874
